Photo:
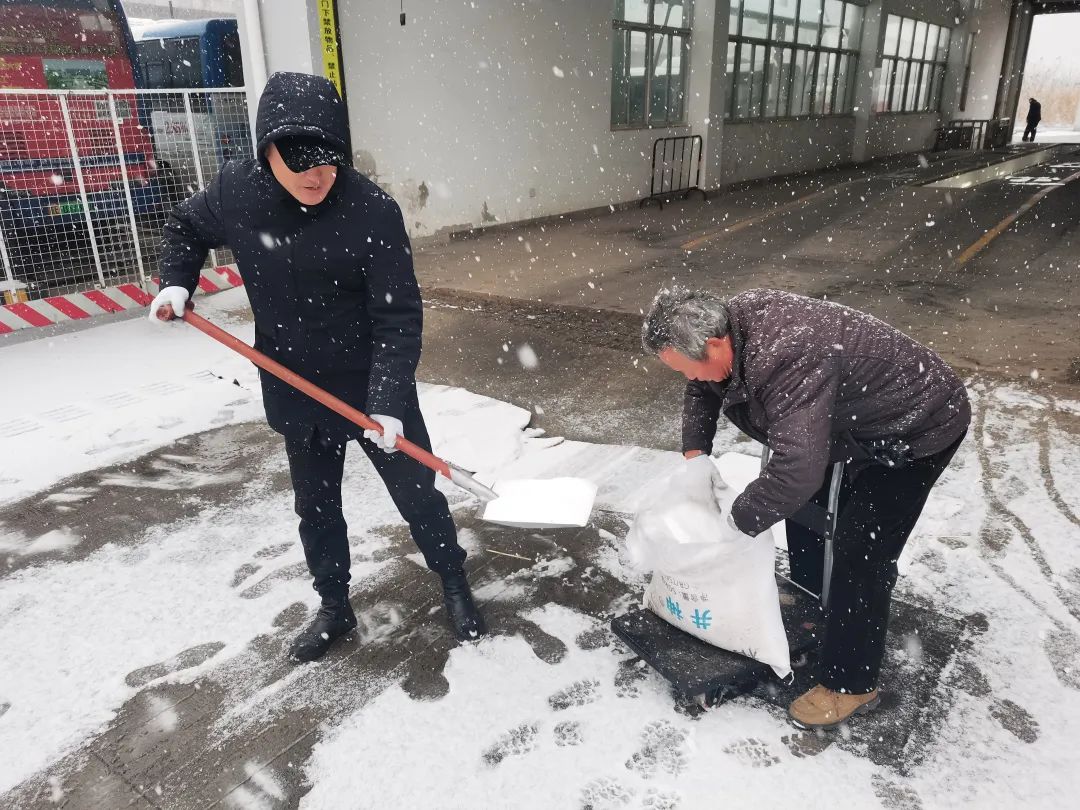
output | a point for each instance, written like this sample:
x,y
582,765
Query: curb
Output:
x,y
80,305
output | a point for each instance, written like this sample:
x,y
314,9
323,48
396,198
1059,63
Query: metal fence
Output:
x,y
993,133
88,177
676,166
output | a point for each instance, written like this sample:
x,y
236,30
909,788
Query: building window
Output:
x,y
912,66
792,57
650,63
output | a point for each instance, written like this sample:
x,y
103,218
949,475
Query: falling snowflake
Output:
x,y
527,357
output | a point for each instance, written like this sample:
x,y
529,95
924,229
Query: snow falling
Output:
x,y
540,170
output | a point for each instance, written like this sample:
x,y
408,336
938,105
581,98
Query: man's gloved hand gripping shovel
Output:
x,y
527,503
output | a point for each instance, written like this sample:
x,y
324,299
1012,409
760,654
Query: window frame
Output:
x,y
837,59
653,31
904,86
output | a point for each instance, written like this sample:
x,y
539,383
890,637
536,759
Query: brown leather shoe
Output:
x,y
822,708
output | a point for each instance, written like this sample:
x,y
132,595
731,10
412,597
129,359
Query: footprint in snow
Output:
x,y
663,748
1015,719
656,799
514,743
629,675
596,639
191,657
752,752
580,693
895,796
283,574
568,733
1062,647
270,552
242,573
605,793
292,616
806,744
265,553
970,678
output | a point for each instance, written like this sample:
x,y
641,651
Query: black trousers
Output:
x,y
1029,133
878,510
317,467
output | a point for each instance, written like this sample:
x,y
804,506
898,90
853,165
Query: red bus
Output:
x,y
51,45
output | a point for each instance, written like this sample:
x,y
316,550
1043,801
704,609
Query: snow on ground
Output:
x,y
517,732
92,398
999,537
204,577
568,735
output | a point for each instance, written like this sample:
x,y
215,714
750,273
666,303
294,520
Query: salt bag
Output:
x,y
709,581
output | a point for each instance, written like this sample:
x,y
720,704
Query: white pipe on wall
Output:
x,y
253,16
254,51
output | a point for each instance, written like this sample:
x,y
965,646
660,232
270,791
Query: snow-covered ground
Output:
x,y
92,624
1049,135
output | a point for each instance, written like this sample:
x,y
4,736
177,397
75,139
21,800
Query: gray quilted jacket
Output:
x,y
815,381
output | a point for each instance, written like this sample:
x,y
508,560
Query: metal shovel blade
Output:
x,y
549,503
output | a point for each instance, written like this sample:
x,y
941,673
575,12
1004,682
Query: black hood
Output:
x,y
299,103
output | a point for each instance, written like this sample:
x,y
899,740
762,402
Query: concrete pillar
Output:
x,y
714,128
1012,69
866,84
702,64
954,73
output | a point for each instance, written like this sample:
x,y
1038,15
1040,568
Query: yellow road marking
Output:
x,y
980,244
746,223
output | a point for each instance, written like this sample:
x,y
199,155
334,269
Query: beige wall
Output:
x,y
493,111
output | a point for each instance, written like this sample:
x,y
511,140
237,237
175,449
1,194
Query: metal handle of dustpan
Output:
x,y
444,468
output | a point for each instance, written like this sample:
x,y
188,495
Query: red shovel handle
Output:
x,y
319,395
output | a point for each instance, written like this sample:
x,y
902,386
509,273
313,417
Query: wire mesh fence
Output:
x,y
88,178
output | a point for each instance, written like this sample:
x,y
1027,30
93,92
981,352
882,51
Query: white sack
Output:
x,y
709,580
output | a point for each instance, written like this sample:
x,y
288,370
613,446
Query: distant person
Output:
x,y
1034,116
328,269
819,383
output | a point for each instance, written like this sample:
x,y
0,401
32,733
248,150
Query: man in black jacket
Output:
x,y
328,269
1034,116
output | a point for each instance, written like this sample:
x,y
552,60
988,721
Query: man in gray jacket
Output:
x,y
818,383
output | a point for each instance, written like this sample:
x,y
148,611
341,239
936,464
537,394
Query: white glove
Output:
x,y
391,429
730,529
174,297
703,465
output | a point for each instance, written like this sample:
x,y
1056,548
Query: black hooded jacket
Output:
x,y
1034,115
331,286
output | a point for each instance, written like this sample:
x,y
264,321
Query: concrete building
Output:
x,y
483,111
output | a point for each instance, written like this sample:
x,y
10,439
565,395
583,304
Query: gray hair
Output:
x,y
684,319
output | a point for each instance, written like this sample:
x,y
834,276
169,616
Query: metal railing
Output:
x,y
677,169
88,178
970,133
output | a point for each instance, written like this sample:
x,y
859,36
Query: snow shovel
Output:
x,y
526,503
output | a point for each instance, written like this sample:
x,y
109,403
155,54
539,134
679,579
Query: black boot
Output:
x,y
334,619
461,611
